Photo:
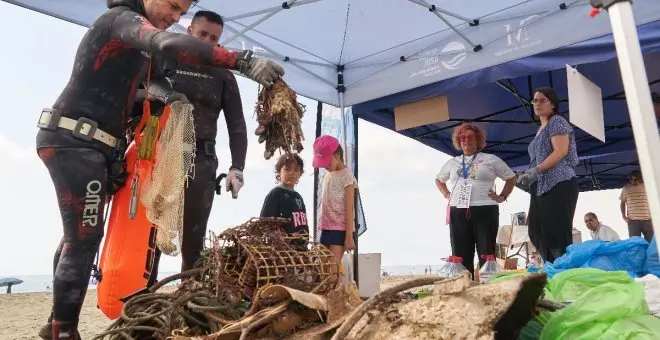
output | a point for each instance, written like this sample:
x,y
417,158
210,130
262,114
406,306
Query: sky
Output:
x,y
404,211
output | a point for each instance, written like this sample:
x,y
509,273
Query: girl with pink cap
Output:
x,y
337,211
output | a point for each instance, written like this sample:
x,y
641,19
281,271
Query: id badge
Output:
x,y
463,193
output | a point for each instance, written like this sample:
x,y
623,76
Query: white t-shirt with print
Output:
x,y
332,212
482,172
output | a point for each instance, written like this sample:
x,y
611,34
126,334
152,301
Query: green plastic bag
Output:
x,y
643,327
571,284
533,329
503,276
593,313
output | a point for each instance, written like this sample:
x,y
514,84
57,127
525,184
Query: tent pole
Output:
x,y
638,98
357,198
268,10
319,122
341,88
435,9
284,58
355,236
251,26
272,11
438,12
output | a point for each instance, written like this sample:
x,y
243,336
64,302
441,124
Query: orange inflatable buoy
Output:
x,y
127,257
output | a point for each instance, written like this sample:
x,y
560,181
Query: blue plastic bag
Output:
x,y
652,261
628,255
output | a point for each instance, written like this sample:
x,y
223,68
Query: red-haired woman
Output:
x,y
474,212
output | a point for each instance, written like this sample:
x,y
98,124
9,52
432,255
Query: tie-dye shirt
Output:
x,y
332,213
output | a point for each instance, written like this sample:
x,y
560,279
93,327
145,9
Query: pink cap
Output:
x,y
324,147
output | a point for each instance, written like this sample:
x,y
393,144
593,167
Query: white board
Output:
x,y
585,104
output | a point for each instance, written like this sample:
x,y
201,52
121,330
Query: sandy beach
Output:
x,y
23,314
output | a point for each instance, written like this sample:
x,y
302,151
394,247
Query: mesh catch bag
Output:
x,y
163,194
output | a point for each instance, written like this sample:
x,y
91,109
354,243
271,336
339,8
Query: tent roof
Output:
x,y
501,105
388,47
401,51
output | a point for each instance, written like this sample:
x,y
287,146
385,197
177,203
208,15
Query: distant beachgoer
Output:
x,y
598,230
635,207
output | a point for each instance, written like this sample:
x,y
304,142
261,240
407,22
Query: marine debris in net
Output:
x,y
279,117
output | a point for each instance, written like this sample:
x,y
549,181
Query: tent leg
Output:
x,y
319,122
356,202
345,137
638,98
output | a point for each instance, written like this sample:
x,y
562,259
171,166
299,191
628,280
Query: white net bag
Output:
x,y
163,195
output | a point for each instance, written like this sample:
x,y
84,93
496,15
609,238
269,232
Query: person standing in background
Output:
x,y
635,208
474,211
598,230
551,178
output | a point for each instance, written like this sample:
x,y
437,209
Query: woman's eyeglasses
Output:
x,y
539,101
466,138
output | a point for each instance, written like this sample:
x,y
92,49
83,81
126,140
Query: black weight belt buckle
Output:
x,y
88,135
208,147
49,119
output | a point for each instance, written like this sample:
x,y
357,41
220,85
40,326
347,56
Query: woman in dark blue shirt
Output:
x,y
551,178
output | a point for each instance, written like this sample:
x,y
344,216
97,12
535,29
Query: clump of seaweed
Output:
x,y
279,117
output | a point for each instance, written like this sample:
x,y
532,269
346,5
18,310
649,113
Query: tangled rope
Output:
x,y
279,117
154,315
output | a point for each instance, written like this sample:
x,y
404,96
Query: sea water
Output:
x,y
44,283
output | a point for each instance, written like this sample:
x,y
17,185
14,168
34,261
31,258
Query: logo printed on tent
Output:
x,y
519,39
433,60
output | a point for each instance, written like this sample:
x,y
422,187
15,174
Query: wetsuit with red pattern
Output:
x,y
211,91
108,67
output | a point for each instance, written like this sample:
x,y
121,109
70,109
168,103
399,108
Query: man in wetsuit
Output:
x,y
79,136
210,90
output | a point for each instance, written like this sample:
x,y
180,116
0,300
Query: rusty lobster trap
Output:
x,y
257,253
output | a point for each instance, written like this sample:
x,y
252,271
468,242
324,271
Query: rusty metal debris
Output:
x,y
260,283
256,254
279,116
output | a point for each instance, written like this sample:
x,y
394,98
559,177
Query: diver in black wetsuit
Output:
x,y
210,90
79,137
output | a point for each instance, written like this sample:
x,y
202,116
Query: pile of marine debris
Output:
x,y
259,283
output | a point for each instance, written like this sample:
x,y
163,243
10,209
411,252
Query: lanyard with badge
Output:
x,y
464,186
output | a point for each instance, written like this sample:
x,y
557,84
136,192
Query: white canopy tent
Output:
x,y
346,52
